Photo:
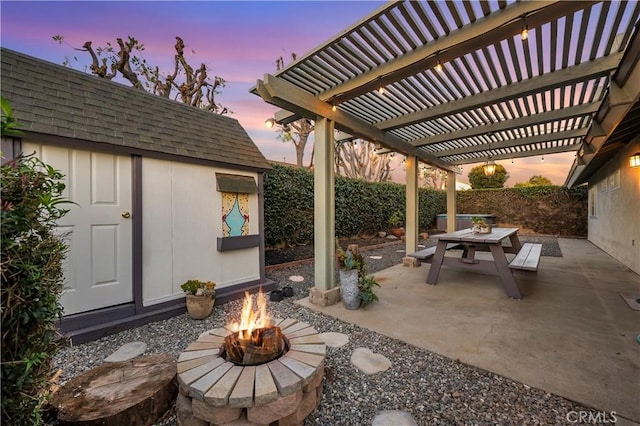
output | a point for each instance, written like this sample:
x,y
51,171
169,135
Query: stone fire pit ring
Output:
x,y
285,390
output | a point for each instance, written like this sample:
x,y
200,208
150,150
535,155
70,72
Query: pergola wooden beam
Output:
x,y
547,137
285,95
613,109
531,120
559,78
483,32
529,153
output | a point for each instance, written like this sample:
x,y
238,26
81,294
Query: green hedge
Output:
x,y
553,210
361,207
365,207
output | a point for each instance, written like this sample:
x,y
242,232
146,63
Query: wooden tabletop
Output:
x,y
468,236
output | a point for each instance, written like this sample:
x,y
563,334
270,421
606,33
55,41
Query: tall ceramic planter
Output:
x,y
199,307
349,288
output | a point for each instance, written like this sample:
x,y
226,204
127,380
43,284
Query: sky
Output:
x,y
238,41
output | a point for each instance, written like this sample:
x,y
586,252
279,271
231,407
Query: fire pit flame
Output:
x,y
257,341
250,319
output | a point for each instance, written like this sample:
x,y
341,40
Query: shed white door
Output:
x,y
98,268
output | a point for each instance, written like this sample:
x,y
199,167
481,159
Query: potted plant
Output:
x,y
396,221
480,226
350,265
200,297
365,286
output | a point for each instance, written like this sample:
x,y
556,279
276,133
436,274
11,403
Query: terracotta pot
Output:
x,y
199,307
398,232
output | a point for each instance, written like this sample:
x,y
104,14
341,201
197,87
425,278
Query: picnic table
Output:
x,y
527,255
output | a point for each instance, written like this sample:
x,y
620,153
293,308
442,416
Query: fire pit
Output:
x,y
257,341
260,371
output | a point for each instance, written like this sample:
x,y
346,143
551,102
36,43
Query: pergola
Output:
x,y
451,83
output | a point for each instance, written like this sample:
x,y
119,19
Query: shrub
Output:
x,y
365,207
32,281
361,207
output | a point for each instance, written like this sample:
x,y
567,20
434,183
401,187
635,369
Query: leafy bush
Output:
x,y
361,207
553,210
32,281
365,285
365,207
197,287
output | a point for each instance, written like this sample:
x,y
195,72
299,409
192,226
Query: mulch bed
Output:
x,y
292,253
296,252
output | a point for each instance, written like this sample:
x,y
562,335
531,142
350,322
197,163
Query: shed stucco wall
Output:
x,y
615,227
181,222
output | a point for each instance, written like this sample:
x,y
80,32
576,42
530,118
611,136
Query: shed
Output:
x,y
164,193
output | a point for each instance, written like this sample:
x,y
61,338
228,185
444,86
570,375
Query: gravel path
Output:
x,y
435,390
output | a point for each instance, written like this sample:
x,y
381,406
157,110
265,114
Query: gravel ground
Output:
x,y
435,390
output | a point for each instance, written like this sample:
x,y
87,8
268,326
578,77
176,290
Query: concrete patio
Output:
x,y
572,334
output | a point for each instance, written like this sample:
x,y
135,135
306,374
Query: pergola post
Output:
x,y
325,291
411,194
451,201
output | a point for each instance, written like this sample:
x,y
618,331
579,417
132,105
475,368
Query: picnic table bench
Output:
x,y
427,254
527,258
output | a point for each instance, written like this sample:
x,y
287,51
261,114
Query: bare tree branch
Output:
x,y
358,160
194,87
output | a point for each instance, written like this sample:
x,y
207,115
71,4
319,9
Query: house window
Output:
x,y
235,214
592,201
235,190
614,180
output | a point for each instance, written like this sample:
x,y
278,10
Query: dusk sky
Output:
x,y
239,41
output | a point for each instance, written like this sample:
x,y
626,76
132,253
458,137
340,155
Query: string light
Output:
x,y
438,64
542,159
270,122
525,30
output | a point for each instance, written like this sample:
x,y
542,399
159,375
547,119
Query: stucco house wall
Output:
x,y
614,208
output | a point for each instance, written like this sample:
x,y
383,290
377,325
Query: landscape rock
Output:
x,y
334,340
393,417
368,362
127,352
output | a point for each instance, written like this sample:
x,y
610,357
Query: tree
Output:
x,y
192,86
537,180
479,180
297,133
358,159
433,177
355,160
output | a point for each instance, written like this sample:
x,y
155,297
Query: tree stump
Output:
x,y
134,392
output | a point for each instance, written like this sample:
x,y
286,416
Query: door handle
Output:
x,y
125,214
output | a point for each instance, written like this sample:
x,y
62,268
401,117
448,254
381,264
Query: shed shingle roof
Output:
x,y
55,100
